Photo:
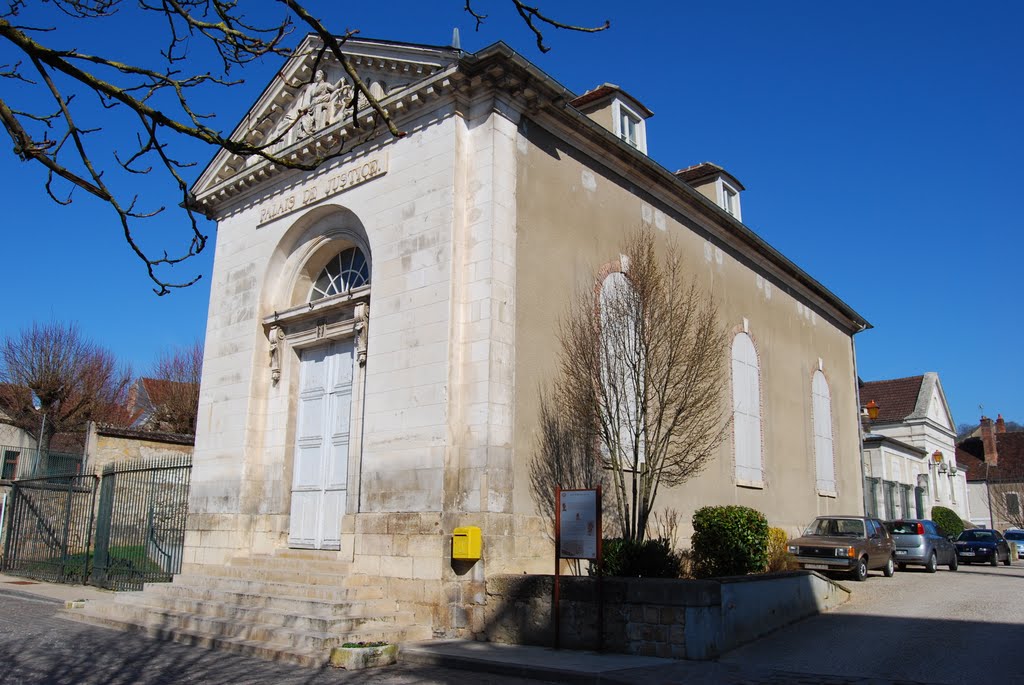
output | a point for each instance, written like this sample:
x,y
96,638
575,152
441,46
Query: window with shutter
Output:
x,y
746,411
821,407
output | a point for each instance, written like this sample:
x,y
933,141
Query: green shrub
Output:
x,y
779,557
729,541
948,520
647,559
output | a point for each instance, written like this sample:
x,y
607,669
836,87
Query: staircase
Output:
x,y
293,607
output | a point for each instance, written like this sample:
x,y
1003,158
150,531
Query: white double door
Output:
x,y
320,474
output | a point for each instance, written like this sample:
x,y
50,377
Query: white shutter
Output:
x,y
746,394
821,407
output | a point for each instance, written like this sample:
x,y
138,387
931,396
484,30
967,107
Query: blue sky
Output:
x,y
876,141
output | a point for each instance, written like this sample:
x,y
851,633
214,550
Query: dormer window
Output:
x,y
629,125
716,184
617,111
730,201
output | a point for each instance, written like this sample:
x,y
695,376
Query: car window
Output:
x,y
902,527
978,536
840,527
1014,535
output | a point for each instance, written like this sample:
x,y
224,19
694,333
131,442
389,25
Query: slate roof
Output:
x,y
1009,467
697,172
896,398
604,90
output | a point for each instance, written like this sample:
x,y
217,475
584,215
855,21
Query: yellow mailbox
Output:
x,y
466,543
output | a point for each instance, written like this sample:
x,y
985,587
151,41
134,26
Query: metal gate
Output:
x,y
50,527
135,535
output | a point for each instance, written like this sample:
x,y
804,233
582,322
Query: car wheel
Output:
x,y
995,557
1006,561
861,572
954,563
903,567
933,563
890,568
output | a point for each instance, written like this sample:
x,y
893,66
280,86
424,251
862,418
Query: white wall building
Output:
x,y
909,451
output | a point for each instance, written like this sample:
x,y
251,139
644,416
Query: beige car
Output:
x,y
849,544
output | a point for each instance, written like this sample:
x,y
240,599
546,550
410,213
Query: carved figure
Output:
x,y
276,337
321,102
362,317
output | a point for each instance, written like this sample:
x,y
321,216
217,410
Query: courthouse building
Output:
x,y
380,327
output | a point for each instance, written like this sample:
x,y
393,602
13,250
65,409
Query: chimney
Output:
x,y
988,441
1000,424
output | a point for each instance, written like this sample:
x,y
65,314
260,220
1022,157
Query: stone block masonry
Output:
x,y
677,619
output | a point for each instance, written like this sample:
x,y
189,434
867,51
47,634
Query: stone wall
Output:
x,y
679,619
108,445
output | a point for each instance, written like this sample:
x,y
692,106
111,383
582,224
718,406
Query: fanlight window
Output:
x,y
345,272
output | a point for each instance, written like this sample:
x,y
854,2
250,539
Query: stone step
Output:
x,y
279,588
274,574
312,658
287,638
325,618
170,592
324,565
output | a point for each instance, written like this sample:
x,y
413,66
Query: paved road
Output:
x,y
918,627
914,628
38,647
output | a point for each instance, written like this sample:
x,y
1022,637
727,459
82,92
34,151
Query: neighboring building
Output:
x,y
15,445
379,328
909,456
164,406
994,460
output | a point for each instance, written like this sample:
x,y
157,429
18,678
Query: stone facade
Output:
x,y
478,226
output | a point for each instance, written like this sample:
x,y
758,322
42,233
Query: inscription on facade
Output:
x,y
322,188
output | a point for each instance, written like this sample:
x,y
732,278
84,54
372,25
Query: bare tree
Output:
x,y
59,97
176,402
1006,500
73,379
643,368
564,457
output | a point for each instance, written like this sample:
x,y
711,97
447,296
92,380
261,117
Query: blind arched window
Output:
x,y
746,410
346,271
821,407
622,368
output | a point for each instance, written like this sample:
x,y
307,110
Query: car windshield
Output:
x,y
977,536
853,528
1014,535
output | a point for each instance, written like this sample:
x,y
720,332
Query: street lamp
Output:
x,y
872,410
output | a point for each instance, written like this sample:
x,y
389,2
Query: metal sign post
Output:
x,y
578,536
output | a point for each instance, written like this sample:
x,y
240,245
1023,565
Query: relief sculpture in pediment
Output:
x,y
318,105
322,103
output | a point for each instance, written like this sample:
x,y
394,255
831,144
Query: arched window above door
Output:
x,y
345,272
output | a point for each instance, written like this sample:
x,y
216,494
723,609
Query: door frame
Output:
x,y
330,319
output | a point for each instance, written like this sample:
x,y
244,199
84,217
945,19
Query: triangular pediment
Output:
x,y
310,98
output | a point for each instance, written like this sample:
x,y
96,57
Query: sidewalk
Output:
x,y
54,592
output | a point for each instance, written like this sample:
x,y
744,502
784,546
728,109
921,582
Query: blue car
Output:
x,y
982,545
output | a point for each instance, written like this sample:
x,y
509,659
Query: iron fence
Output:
x,y
132,533
50,528
30,463
140,527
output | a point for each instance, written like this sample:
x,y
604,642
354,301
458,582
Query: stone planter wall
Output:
x,y
681,619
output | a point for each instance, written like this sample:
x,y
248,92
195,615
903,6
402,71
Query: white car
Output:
x,y
1015,536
